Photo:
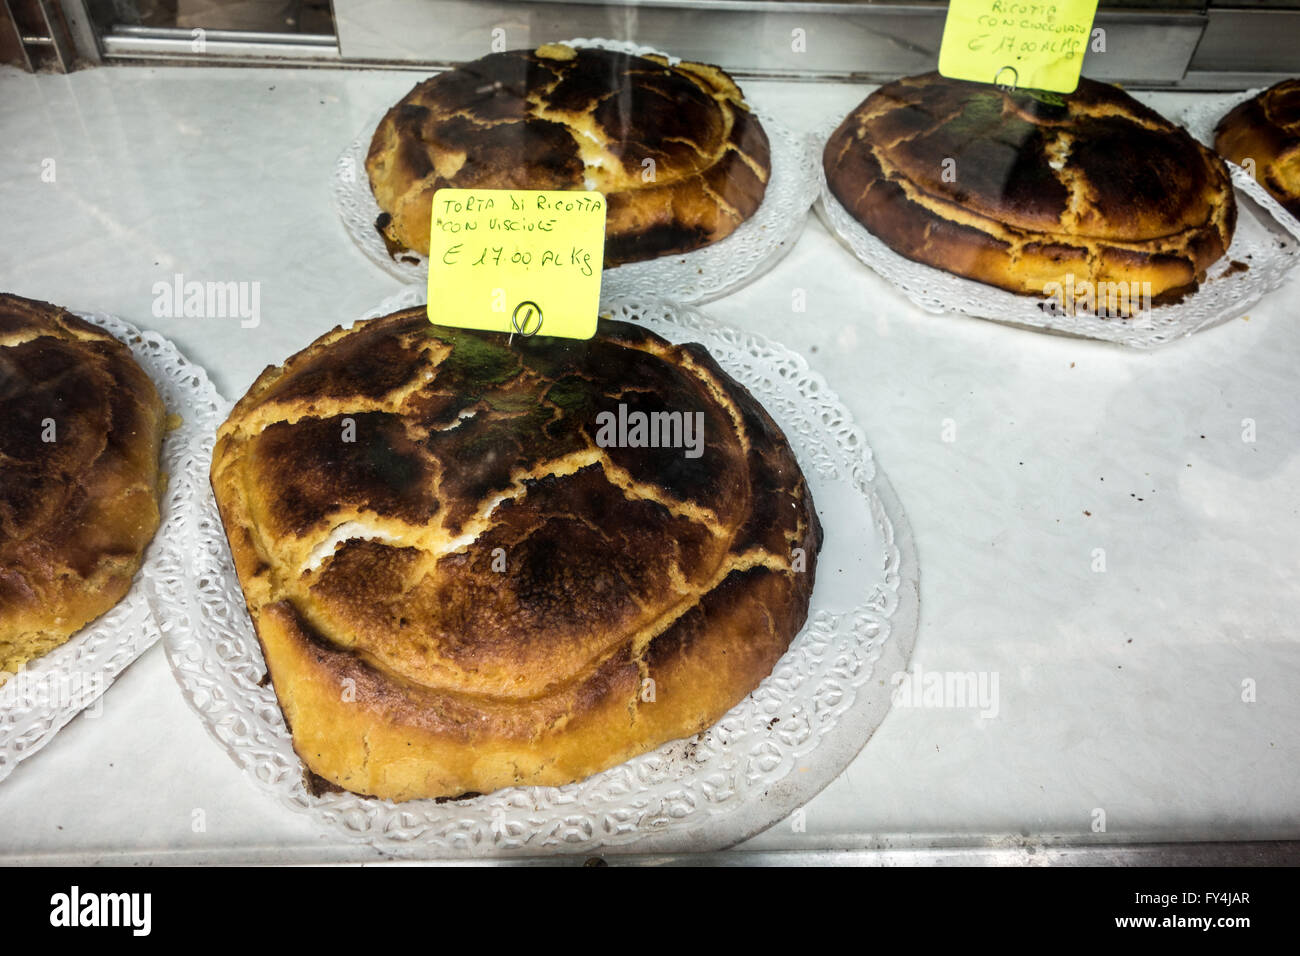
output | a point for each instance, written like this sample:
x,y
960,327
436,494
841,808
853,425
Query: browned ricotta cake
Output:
x,y
81,429
674,148
468,570
1266,129
1021,190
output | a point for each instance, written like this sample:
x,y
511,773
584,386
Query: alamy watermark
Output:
x,y
208,300
947,689
76,908
54,690
651,430
1105,300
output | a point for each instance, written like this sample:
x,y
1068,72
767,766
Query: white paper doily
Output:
x,y
1261,242
768,756
38,701
694,277
1201,117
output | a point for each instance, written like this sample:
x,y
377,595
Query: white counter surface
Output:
x,y
1119,690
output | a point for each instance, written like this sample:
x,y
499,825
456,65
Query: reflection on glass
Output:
x,y
270,16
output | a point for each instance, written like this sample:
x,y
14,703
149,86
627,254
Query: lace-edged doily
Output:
x,y
38,701
1263,243
1201,117
769,755
699,276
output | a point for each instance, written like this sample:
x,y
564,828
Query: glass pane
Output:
x,y
270,16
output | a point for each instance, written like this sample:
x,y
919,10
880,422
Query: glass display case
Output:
x,y
1053,614
1196,44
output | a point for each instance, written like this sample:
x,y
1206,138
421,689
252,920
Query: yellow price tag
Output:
x,y
524,261
1017,43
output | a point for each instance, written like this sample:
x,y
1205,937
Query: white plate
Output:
x,y
766,757
48,692
1262,242
694,277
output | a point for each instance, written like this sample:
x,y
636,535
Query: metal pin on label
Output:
x,y
529,308
1015,77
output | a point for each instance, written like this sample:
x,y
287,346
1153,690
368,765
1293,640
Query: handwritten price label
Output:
x,y
517,260
1037,46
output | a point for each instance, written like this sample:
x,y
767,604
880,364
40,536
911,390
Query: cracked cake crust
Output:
x,y
472,592
679,156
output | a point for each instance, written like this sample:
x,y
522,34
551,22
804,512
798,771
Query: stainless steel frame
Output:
x,y
50,34
1179,47
870,42
1026,854
230,47
999,853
